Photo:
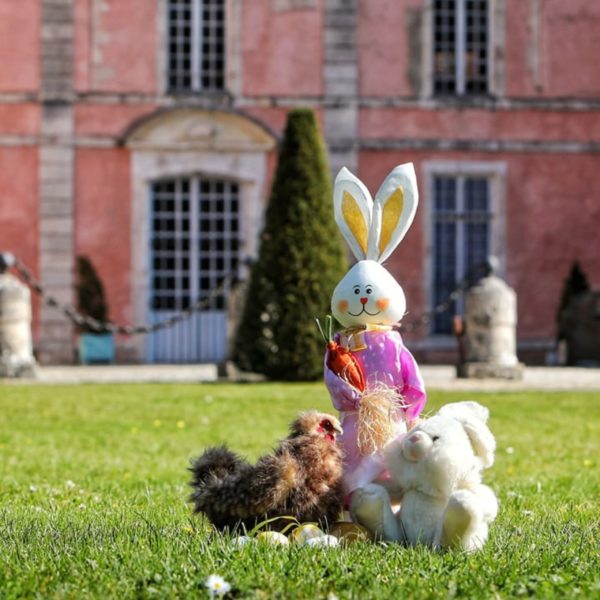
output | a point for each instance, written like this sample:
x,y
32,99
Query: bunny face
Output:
x,y
368,294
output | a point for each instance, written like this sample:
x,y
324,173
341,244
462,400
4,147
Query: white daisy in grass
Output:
x,y
216,585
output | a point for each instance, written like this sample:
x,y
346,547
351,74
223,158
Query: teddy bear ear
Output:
x,y
465,410
482,440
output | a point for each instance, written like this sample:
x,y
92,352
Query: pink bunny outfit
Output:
x,y
384,360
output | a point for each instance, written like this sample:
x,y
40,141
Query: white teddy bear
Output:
x,y
438,464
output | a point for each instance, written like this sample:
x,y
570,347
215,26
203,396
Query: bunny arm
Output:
x,y
413,391
344,396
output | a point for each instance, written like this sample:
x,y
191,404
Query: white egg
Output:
x,y
241,541
324,541
273,538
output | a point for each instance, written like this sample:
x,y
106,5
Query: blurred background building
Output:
x,y
142,134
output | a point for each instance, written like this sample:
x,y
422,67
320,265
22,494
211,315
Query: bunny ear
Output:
x,y
482,440
393,211
353,207
465,410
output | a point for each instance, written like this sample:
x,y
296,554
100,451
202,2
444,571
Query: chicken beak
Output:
x,y
338,429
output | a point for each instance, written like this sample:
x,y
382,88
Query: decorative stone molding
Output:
x,y
197,129
285,5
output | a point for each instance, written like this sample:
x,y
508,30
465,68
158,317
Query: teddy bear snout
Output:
x,y
416,445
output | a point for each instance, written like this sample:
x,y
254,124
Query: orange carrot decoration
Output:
x,y
340,360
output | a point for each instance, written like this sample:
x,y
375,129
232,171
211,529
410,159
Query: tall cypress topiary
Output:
x,y
575,284
300,261
89,290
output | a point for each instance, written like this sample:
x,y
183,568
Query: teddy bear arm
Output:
x,y
465,522
371,507
488,502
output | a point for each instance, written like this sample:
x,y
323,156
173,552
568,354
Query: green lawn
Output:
x,y
93,489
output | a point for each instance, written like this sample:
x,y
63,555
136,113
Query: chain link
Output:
x,y
82,320
460,288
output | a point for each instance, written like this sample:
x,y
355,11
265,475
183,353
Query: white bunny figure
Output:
x,y
369,302
439,466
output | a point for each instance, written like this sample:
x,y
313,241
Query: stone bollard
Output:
x,y
490,331
16,352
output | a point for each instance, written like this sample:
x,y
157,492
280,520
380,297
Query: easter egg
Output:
x,y
303,533
348,533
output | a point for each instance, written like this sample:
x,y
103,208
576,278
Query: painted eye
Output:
x,y
357,290
435,438
369,290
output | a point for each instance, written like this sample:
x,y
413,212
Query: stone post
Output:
x,y
490,331
340,81
56,178
16,350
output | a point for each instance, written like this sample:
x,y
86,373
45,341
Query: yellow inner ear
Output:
x,y
390,217
354,219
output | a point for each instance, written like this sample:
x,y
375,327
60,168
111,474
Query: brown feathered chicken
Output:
x,y
301,479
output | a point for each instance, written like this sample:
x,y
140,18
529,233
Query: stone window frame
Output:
x,y
187,142
496,66
496,173
233,53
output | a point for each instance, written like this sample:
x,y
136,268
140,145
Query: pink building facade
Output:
x,y
142,134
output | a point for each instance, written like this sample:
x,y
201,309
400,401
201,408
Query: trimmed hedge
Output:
x,y
91,300
301,259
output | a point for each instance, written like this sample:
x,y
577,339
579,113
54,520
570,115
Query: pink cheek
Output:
x,y
343,305
383,303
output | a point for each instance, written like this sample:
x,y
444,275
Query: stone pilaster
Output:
x,y
340,78
57,213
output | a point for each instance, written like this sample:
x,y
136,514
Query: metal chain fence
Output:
x,y
81,320
473,275
7,260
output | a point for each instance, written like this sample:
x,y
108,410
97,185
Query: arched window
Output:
x,y
196,45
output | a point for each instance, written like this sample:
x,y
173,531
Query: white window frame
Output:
x,y
196,42
496,22
185,298
460,49
495,172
